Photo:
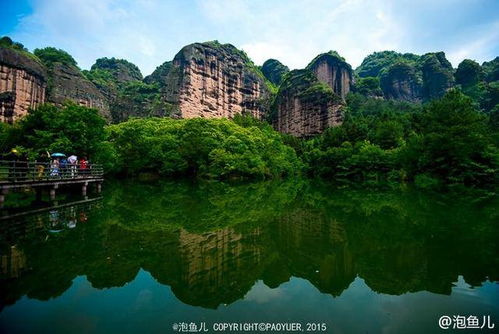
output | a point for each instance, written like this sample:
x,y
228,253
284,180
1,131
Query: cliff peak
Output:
x,y
304,105
211,79
121,69
333,70
274,70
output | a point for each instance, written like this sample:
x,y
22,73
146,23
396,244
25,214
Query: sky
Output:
x,y
150,32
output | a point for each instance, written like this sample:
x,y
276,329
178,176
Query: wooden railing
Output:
x,y
32,171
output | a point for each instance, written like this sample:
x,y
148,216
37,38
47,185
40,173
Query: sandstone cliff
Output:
x,y
27,81
400,82
438,75
408,76
220,266
304,106
127,93
491,70
22,84
121,70
274,70
159,75
375,63
334,71
68,83
214,80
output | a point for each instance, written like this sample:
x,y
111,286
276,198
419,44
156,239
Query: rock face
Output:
x,y
401,82
438,75
334,71
304,106
274,70
120,69
25,82
212,80
468,73
408,76
374,64
159,75
491,70
22,84
67,83
127,93
229,260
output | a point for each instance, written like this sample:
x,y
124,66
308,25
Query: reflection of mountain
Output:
x,y
211,243
315,248
219,267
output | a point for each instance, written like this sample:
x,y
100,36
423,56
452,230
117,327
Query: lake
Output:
x,y
153,256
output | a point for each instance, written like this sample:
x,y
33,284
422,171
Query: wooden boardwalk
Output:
x,y
39,176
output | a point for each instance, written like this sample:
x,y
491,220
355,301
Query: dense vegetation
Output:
x,y
119,68
274,70
214,148
72,129
377,62
7,42
210,148
51,55
447,141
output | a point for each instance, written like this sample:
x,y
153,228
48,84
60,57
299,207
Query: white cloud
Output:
x,y
149,32
477,49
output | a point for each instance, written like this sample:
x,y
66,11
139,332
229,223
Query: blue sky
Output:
x,y
149,32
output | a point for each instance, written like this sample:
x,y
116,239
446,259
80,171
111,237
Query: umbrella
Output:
x,y
58,155
72,159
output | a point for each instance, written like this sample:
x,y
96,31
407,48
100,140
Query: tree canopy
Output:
x,y
51,55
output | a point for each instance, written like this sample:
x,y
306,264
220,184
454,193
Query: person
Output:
x,y
54,168
73,161
40,168
83,166
63,167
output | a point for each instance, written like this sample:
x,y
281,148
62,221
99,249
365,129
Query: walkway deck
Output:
x,y
26,174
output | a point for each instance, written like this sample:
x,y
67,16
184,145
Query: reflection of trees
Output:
x,y
210,243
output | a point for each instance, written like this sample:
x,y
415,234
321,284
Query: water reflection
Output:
x,y
211,242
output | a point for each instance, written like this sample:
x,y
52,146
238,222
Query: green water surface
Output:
x,y
146,256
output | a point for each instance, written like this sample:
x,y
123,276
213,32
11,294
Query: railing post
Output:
x,y
52,192
84,189
3,192
99,187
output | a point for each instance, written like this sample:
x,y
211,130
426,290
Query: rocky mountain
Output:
x,y
23,83
407,76
217,80
481,83
274,70
49,75
491,70
305,106
120,69
375,63
468,73
400,81
438,75
310,100
333,70
127,93
159,75
66,82
214,80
